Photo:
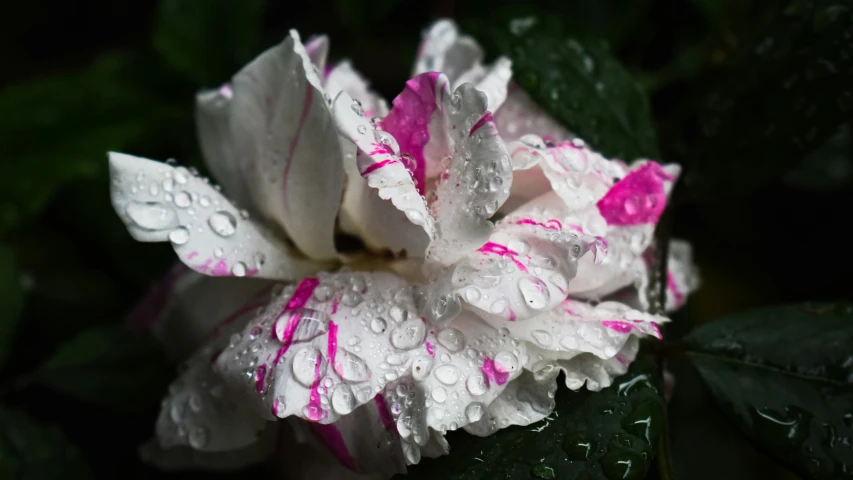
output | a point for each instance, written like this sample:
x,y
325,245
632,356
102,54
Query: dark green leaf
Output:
x,y
108,366
11,299
36,451
828,168
581,85
782,94
785,374
611,434
208,40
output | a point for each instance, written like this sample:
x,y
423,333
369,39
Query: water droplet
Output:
x,y
351,367
259,259
168,185
421,367
151,215
361,129
309,323
476,383
351,299
239,269
498,306
535,292
308,365
447,374
343,400
414,216
506,361
439,394
451,339
409,334
446,308
357,108
218,252
183,199
222,223
181,175
472,294
378,325
198,437
179,236
323,293
542,337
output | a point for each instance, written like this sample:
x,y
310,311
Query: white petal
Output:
x,y
344,77
188,458
576,327
317,49
284,132
519,115
185,307
199,411
159,203
213,122
527,399
597,373
682,276
492,80
444,50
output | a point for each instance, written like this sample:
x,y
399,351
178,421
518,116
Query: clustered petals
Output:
x,y
517,253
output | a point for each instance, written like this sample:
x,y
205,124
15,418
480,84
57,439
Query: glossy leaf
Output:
x,y
108,366
787,88
611,434
30,450
11,299
208,40
583,86
785,375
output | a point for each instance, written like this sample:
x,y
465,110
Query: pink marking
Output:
x,y
552,224
377,166
487,118
192,255
618,325
384,414
148,312
204,266
565,304
276,405
677,296
639,198
332,345
221,269
621,359
306,107
498,249
298,300
260,375
408,121
381,149
314,410
251,272
332,438
512,315
335,302
657,330
494,372
226,91
430,349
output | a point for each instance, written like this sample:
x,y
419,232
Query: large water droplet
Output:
x,y
472,294
506,361
308,366
301,325
535,292
351,367
409,334
239,269
498,306
476,384
542,337
151,215
378,325
222,223
351,299
343,400
323,293
447,374
439,394
179,236
451,339
183,199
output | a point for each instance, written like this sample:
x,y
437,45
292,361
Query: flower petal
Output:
x,y
199,411
528,399
159,202
519,115
597,373
188,458
344,77
576,327
317,49
444,50
283,129
185,307
682,275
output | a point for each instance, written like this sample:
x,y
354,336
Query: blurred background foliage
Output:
x,y
754,98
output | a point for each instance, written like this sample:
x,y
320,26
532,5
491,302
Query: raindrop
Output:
x,y
179,236
475,411
183,199
476,384
308,365
239,269
451,339
378,325
361,129
472,294
218,252
409,334
542,337
357,108
181,175
343,400
351,299
447,374
322,293
259,259
446,308
421,367
506,361
439,394
151,215
222,223
535,292
498,306
351,367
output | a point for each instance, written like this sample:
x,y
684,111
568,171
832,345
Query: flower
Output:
x,y
496,259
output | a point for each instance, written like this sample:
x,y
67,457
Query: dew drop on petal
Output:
x,y
179,236
183,199
409,334
447,374
476,384
151,215
472,294
498,306
351,367
378,325
535,292
421,367
475,411
239,269
308,363
439,394
542,337
451,339
343,400
222,223
506,361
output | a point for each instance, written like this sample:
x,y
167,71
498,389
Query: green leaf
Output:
x,y
781,95
11,299
785,375
581,85
208,40
30,450
108,366
611,434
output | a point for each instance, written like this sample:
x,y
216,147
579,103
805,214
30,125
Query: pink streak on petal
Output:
x,y
430,349
621,359
408,121
376,166
498,249
487,118
192,255
494,372
332,438
226,91
298,300
673,288
260,375
639,198
552,224
512,315
335,302
384,414
276,405
314,410
332,345
618,325
306,107
221,269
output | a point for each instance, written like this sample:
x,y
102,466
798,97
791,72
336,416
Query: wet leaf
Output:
x,y
30,450
108,366
11,299
781,94
582,85
611,434
208,40
785,375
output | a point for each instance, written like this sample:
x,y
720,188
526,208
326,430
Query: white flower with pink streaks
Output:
x,y
493,248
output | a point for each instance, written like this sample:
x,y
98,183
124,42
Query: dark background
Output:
x,y
81,78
